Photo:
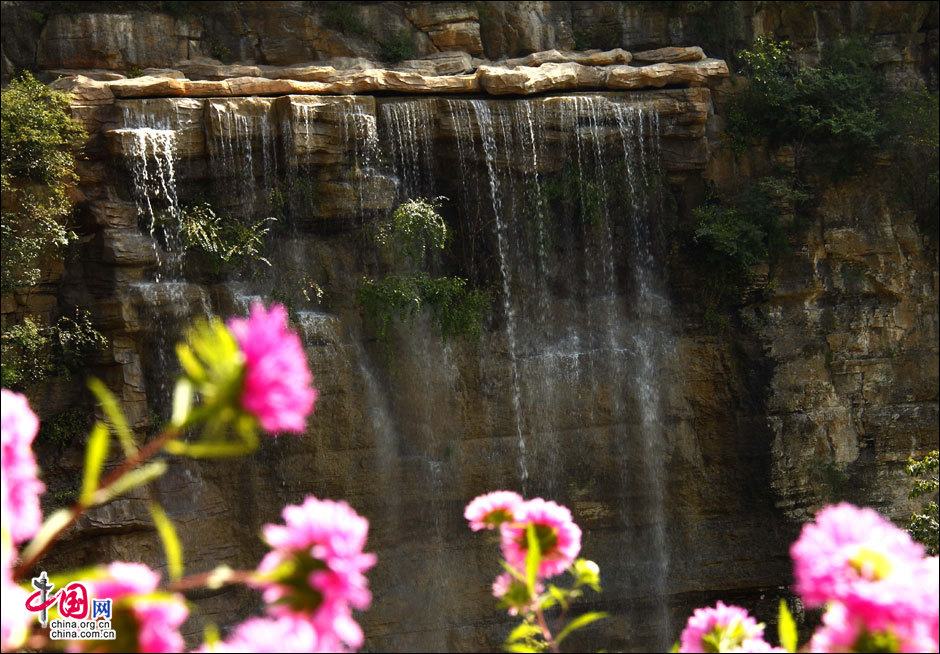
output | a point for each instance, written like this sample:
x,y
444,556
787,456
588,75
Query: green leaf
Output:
x,y
515,574
171,541
532,559
579,623
131,480
523,631
182,401
559,595
211,636
96,452
209,450
116,419
786,628
520,647
674,648
52,526
190,363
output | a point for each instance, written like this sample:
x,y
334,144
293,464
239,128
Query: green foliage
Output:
x,y
923,525
212,372
65,428
786,628
525,596
397,46
222,240
218,50
414,229
455,309
836,106
32,352
39,136
913,120
751,228
343,17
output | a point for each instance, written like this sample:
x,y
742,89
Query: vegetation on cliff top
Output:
x,y
38,165
836,117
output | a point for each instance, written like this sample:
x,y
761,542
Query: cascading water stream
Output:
x,y
586,319
488,140
410,140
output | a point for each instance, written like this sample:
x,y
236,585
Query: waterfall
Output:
x,y
361,137
555,200
587,324
410,138
488,139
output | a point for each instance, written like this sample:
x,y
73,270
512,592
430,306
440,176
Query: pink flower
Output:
x,y
842,632
278,387
316,569
492,509
283,634
21,488
14,618
857,557
559,537
513,593
158,616
721,628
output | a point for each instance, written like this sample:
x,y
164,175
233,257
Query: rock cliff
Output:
x,y
818,391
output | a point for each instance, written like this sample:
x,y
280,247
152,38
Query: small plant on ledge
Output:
x,y
412,235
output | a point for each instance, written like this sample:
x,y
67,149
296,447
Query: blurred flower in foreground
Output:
x,y
277,386
723,628
146,620
20,487
14,619
316,568
559,537
489,511
287,633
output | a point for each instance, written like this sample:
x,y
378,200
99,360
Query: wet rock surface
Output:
x,y
823,399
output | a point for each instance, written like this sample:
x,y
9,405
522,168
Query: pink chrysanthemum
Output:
x,y
842,632
282,634
321,547
513,593
857,557
559,537
14,618
278,387
489,511
158,616
21,488
721,628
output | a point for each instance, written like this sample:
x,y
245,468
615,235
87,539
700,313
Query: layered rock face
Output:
x,y
688,458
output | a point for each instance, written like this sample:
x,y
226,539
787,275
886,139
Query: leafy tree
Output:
x,y
923,525
38,165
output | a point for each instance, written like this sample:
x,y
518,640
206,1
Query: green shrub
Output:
x,y
913,120
750,228
33,352
455,309
923,525
38,164
397,46
414,229
68,427
837,107
223,240
343,17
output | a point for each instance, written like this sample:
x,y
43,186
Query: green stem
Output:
x,y
546,632
78,509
